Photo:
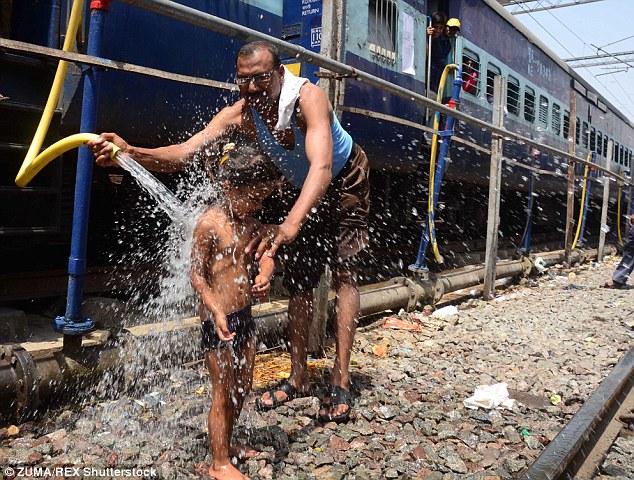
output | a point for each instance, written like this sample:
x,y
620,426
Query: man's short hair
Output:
x,y
245,165
250,48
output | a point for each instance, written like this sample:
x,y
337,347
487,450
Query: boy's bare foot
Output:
x,y
226,472
243,452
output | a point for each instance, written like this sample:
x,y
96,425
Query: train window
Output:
x,y
605,146
599,143
470,72
529,104
492,72
543,110
556,119
382,26
593,139
577,130
584,135
513,95
621,154
566,124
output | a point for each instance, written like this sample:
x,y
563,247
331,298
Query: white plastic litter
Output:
x,y
540,265
490,396
445,311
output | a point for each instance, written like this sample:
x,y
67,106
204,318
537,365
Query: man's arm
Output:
x,y
171,158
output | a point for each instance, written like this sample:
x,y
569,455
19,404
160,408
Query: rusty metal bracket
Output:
x,y
18,378
337,76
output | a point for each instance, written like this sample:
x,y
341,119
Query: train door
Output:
x,y
451,8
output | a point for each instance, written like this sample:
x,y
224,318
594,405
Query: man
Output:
x,y
328,196
626,265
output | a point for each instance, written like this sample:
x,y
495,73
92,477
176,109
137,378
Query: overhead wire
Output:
x,y
618,101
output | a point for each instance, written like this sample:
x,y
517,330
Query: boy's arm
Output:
x,y
267,266
204,237
262,282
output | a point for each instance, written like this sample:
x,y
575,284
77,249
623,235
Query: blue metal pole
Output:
x,y
420,266
54,24
73,323
529,216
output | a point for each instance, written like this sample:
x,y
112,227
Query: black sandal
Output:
x,y
286,387
614,285
337,396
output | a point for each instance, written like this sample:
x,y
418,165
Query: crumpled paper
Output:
x,y
489,397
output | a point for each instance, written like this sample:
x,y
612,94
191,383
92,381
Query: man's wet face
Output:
x,y
263,87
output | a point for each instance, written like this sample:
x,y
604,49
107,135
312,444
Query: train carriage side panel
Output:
x,y
385,38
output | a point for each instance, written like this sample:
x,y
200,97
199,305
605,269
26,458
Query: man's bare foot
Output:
x,y
243,452
226,472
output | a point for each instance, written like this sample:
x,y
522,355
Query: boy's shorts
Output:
x,y
337,233
240,322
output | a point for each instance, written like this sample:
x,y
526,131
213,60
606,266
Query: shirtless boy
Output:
x,y
221,274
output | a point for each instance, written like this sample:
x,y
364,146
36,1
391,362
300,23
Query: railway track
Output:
x,y
579,449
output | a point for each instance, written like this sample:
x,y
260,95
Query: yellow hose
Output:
x,y
51,153
432,163
583,201
53,97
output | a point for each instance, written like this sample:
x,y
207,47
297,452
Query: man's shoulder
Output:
x,y
311,94
309,88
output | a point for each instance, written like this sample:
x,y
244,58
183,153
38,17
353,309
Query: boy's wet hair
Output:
x,y
245,165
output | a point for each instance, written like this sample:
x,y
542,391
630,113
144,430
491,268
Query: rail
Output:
x,y
570,450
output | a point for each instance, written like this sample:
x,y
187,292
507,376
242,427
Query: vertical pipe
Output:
x,y
526,244
72,322
570,198
54,24
454,102
495,182
427,235
604,208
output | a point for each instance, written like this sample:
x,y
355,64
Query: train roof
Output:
x,y
495,5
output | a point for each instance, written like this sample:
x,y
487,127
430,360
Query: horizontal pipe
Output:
x,y
27,381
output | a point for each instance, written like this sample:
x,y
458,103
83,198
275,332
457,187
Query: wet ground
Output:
x,y
551,340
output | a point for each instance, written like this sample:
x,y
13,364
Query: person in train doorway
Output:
x,y
452,29
440,48
626,265
327,200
